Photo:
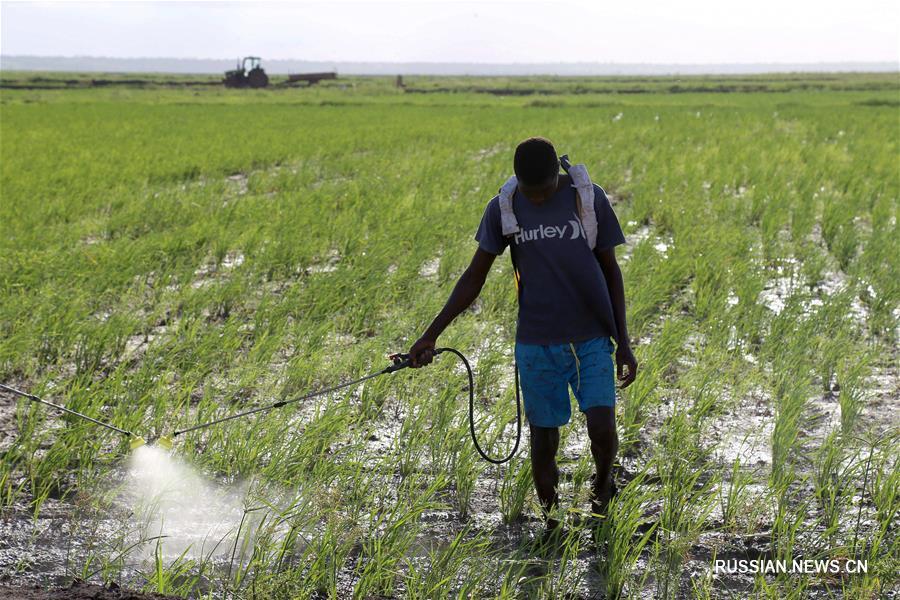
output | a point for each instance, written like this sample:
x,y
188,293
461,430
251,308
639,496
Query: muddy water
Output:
x,y
48,549
154,501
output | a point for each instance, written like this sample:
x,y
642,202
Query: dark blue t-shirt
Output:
x,y
563,294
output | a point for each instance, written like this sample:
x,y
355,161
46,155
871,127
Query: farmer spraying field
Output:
x,y
562,234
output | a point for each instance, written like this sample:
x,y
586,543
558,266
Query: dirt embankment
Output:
x,y
77,591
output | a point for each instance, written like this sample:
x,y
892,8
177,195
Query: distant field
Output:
x,y
174,252
503,86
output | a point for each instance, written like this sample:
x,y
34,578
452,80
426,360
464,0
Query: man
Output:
x,y
571,306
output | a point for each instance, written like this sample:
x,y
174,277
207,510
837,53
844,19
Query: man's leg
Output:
x,y
601,424
544,444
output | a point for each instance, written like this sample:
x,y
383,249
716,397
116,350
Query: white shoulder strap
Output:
x,y
584,187
507,217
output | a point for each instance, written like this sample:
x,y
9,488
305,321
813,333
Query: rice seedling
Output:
x,y
850,376
625,534
733,496
466,469
515,489
884,477
833,473
688,498
448,568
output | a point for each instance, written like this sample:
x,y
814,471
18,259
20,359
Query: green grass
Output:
x,y
170,255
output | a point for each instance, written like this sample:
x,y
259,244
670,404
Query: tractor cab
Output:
x,y
249,63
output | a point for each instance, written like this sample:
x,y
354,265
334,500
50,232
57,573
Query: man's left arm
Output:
x,y
609,235
616,286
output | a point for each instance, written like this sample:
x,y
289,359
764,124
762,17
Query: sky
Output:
x,y
626,31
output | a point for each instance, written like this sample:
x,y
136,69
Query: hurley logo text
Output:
x,y
571,231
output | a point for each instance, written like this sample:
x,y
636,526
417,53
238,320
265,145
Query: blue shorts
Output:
x,y
547,370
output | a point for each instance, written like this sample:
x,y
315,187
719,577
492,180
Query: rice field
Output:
x,y
173,255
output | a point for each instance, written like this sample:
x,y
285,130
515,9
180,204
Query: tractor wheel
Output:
x,y
258,78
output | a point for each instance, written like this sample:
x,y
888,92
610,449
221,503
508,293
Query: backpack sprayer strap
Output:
x,y
584,198
508,221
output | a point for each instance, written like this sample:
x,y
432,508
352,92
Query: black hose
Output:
x,y
507,458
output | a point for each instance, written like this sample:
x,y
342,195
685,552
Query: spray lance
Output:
x,y
136,440
398,361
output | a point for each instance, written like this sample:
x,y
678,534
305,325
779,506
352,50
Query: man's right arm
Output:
x,y
464,293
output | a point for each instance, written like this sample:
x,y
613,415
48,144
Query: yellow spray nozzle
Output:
x,y
165,442
137,441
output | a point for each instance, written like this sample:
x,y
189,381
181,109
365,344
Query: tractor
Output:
x,y
247,74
